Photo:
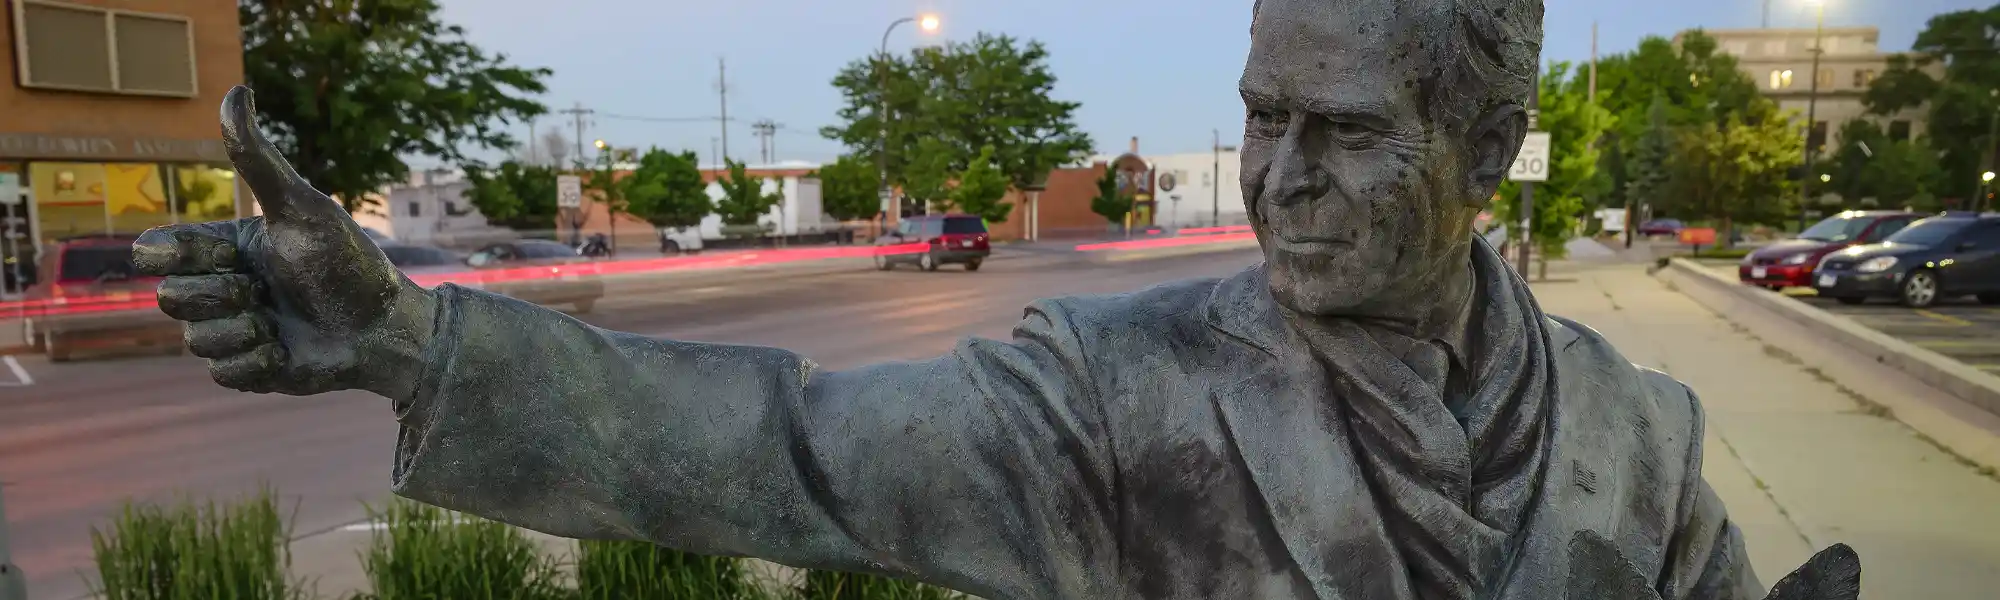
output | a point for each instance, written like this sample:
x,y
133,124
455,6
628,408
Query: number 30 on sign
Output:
x,y
1532,164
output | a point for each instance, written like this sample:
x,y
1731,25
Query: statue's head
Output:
x,y
1375,131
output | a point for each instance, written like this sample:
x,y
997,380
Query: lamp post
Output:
x,y
1812,105
1215,180
1986,183
928,23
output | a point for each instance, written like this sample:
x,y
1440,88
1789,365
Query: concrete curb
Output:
x,y
1960,412
1967,383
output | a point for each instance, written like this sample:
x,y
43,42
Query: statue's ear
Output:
x,y
1493,141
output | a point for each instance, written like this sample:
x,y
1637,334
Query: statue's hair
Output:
x,y
1491,51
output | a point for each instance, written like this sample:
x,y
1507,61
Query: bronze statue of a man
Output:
x,y
1379,410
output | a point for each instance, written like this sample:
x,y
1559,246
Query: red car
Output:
x,y
958,239
1790,263
95,270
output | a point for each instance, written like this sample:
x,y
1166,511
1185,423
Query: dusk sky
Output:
x,y
1163,70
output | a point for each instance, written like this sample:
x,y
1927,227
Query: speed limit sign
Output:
x,y
1532,164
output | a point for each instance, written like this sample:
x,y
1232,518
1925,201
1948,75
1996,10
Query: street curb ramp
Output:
x,y
1978,390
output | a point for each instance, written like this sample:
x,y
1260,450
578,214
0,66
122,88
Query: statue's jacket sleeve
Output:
x,y
983,470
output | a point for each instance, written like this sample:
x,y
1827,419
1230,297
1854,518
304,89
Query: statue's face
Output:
x,y
1359,200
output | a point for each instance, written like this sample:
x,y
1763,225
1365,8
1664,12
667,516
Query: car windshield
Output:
x,y
1836,229
1929,232
963,225
88,263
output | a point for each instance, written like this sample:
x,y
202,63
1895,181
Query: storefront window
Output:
x,y
69,199
136,197
204,193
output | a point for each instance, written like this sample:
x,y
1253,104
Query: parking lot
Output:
x,y
1961,328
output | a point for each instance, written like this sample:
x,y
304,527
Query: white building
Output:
x,y
1197,189
801,211
1781,62
430,209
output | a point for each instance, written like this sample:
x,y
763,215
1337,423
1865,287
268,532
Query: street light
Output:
x,y
1812,103
1823,178
928,23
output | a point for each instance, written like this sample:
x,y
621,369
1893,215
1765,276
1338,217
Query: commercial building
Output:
x,y
431,209
108,122
1781,62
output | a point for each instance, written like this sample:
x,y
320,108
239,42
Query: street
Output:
x,y
1959,328
1799,466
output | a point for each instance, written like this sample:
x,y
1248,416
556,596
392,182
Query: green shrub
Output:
x,y
190,552
835,585
608,570
423,552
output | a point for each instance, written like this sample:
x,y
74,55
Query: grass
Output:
x,y
608,570
1729,253
834,585
427,553
196,552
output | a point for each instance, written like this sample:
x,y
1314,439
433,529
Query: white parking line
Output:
x,y
19,373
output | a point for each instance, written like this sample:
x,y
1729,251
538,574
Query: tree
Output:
x,y
1890,173
1574,125
1962,104
348,89
1737,173
1109,203
666,190
849,188
743,198
947,104
1694,80
1646,168
514,195
981,188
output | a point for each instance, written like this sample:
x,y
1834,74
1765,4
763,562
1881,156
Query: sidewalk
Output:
x,y
1800,462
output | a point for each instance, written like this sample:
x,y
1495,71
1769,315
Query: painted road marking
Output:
x,y
1945,318
20,374
1961,344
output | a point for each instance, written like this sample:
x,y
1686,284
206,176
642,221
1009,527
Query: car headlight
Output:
x,y
1796,259
1877,264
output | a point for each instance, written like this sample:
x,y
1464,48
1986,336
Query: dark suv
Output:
x,y
1939,257
1790,263
79,274
946,238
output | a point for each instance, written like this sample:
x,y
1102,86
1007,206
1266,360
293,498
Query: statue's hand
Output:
x,y
1833,574
298,301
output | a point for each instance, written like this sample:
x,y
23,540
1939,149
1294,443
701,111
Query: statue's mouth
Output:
x,y
1312,245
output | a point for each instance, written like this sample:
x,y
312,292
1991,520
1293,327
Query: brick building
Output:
x,y
108,118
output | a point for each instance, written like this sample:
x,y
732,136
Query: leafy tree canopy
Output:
x,y
850,188
512,194
945,105
1961,103
981,188
1574,125
348,89
666,190
743,197
1109,203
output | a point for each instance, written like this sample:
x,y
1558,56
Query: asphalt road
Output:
x,y
88,436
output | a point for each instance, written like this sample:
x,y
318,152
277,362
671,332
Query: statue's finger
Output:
x,y
186,249
205,297
252,371
228,336
278,188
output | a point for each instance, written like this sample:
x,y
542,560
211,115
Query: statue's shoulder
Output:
x,y
1641,394
1137,316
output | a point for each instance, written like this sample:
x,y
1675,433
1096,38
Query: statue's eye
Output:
x,y
1266,124
1353,134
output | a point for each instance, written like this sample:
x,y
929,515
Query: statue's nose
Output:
x,y
1296,175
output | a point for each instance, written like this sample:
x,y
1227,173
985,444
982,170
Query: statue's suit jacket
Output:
x,y
1163,444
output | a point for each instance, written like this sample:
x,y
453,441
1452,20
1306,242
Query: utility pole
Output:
x,y
1592,95
1767,14
1215,180
766,131
578,114
1812,120
1528,187
722,90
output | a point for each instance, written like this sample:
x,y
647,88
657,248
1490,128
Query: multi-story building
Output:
x,y
1781,62
108,116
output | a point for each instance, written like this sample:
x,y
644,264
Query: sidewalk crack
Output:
x,y
1765,489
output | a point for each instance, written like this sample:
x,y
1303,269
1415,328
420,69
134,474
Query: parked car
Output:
x,y
1790,263
958,239
564,283
77,271
1934,258
1660,227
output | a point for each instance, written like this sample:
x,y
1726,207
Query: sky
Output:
x,y
1162,70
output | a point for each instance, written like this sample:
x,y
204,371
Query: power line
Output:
x,y
617,117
